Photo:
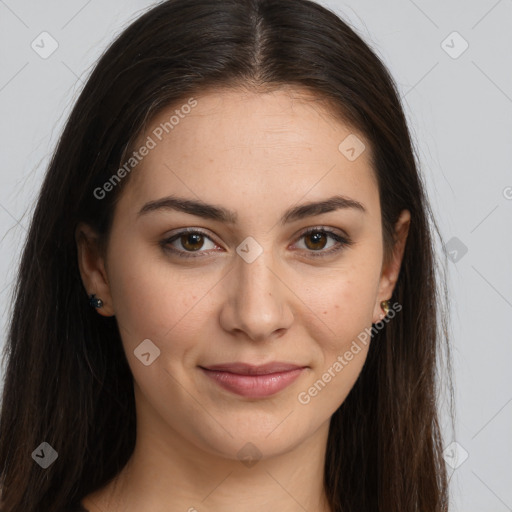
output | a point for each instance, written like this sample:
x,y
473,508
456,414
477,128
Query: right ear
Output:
x,y
92,267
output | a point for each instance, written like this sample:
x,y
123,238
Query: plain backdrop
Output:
x,y
453,66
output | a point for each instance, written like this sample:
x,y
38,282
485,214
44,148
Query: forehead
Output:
x,y
282,145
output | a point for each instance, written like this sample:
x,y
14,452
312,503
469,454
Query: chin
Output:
x,y
256,435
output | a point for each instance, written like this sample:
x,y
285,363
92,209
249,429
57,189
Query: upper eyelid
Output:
x,y
330,231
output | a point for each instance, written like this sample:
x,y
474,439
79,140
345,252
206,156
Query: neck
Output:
x,y
168,472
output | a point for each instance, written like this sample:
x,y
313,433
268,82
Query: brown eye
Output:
x,y
318,240
192,241
188,242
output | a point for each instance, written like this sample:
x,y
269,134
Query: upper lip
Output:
x,y
251,369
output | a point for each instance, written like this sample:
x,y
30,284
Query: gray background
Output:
x,y
459,106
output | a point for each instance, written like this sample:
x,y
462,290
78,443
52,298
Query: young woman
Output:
x,y
228,297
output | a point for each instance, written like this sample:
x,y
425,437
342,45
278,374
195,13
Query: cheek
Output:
x,y
344,303
342,343
154,301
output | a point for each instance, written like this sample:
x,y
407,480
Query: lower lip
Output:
x,y
253,386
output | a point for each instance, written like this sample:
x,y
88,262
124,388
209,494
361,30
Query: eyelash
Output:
x,y
342,242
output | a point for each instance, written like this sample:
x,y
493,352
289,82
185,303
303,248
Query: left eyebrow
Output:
x,y
311,209
219,213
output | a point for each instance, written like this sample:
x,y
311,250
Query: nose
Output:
x,y
258,305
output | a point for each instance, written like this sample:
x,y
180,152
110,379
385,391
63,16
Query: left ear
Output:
x,y
391,269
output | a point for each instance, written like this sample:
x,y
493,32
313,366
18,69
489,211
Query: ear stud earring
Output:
x,y
95,302
385,307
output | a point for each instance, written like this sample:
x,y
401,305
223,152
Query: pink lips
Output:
x,y
253,381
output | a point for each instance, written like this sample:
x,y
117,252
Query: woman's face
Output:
x,y
248,174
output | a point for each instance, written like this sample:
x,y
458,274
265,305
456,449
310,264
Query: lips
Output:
x,y
248,369
254,381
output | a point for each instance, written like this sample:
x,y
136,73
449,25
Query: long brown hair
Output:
x,y
67,380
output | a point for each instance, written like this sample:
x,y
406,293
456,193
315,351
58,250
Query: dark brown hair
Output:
x,y
67,380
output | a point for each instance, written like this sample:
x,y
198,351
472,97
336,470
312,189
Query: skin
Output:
x,y
258,154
